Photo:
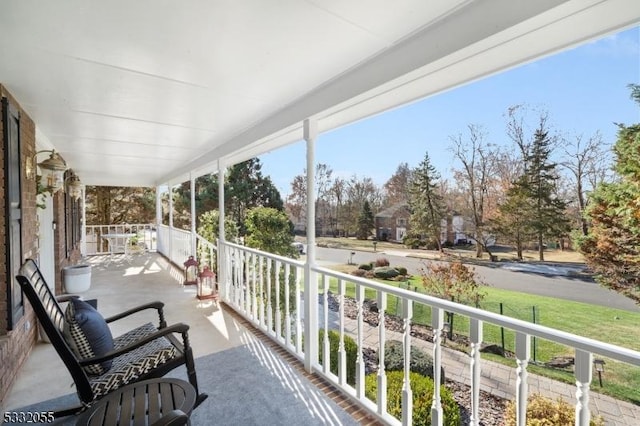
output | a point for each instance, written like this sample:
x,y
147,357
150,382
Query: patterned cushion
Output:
x,y
131,365
88,334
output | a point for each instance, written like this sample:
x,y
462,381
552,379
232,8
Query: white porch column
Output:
x,y
170,256
83,221
310,277
159,243
193,216
222,253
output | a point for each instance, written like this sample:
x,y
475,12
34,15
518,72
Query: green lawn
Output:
x,y
613,326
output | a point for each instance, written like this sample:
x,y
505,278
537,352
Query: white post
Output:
x,y
437,323
583,372
310,281
193,215
407,394
171,256
523,351
382,338
475,334
222,277
83,221
159,244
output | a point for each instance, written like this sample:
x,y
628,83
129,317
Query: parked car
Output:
x,y
299,246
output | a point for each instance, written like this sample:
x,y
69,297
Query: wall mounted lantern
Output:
x,y
52,168
74,186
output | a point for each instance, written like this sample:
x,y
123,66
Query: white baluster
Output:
x,y
342,354
325,341
523,350
287,315
360,339
269,301
260,291
407,394
299,274
382,338
437,323
475,334
278,309
583,374
254,288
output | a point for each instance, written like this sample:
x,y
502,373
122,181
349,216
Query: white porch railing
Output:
x,y
268,290
175,244
95,244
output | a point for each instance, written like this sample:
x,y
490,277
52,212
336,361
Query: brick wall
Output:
x,y
16,345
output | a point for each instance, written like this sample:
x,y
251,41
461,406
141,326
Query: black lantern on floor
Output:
x,y
207,284
191,271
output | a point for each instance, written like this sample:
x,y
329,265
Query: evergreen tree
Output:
x,y
548,219
612,247
512,221
245,188
426,203
270,230
532,210
365,221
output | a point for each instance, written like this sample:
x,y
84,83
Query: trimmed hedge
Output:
x,y
350,347
421,362
366,266
422,388
385,272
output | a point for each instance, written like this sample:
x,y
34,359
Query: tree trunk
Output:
x,y
540,247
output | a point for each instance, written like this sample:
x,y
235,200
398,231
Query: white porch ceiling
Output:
x,y
140,93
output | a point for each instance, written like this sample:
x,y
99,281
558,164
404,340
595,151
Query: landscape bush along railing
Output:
x,y
269,290
146,236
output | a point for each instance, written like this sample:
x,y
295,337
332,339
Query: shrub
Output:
x,y
411,242
359,272
421,362
543,411
365,267
385,272
401,270
381,261
350,347
422,388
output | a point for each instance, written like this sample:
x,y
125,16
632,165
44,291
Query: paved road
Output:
x,y
569,288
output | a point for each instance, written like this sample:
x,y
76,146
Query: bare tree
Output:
x,y
395,189
582,157
476,178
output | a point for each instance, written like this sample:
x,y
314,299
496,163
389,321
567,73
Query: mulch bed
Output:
x,y
491,407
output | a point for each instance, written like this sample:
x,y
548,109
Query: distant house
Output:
x,y
392,223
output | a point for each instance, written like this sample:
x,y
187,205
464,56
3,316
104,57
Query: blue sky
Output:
x,y
584,90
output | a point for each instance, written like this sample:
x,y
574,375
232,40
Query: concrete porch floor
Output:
x,y
120,283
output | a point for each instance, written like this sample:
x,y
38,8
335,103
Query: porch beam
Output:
x,y
310,277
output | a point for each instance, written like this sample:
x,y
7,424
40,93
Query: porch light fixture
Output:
x,y
207,284
52,168
74,186
191,271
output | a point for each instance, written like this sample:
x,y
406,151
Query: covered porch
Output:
x,y
248,354
156,95
249,379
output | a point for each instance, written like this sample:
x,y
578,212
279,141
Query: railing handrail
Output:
x,y
584,343
265,254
